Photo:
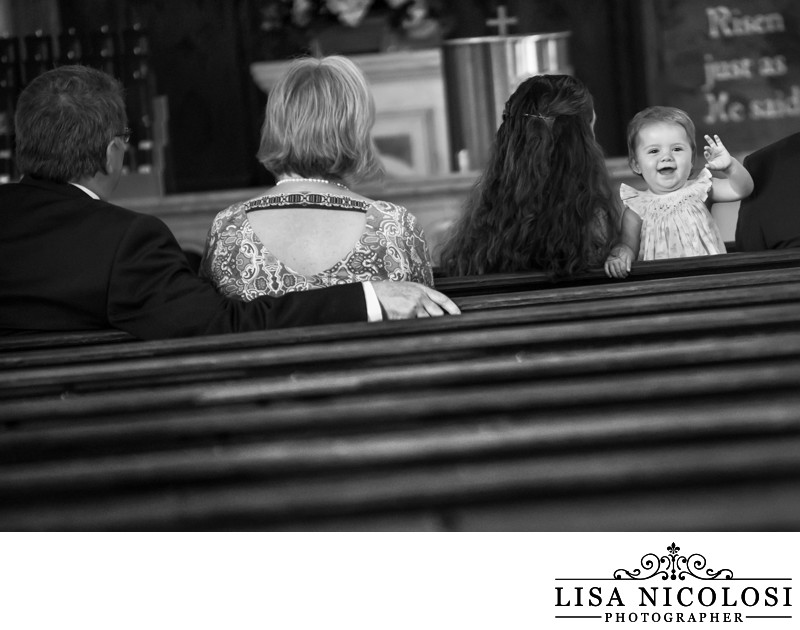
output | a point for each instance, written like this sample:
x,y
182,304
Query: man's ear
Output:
x,y
108,166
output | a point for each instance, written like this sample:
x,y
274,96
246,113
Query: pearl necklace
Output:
x,y
309,179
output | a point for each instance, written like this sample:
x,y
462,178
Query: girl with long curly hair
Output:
x,y
544,201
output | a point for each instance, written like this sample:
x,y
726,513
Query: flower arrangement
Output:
x,y
290,26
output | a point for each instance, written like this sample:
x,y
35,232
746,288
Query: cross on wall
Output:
x,y
502,21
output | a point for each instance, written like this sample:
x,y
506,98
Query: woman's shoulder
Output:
x,y
387,207
388,211
234,213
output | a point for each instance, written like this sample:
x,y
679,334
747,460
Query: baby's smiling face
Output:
x,y
663,157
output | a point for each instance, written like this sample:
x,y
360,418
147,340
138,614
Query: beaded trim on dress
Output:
x,y
326,201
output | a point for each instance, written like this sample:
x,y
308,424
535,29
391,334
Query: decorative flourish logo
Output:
x,y
719,598
673,567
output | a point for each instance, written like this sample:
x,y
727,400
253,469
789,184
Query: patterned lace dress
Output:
x,y
677,224
391,247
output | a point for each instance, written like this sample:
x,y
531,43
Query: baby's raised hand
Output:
x,y
717,156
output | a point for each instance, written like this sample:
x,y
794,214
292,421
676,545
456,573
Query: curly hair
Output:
x,y
318,121
544,201
64,121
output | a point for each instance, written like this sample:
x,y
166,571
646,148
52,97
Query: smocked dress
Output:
x,y
677,224
391,247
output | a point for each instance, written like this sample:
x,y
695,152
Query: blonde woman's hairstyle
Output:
x,y
318,120
656,114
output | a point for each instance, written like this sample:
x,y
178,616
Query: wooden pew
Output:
x,y
137,383
67,339
478,286
250,409
452,471
203,370
641,270
587,411
743,362
575,303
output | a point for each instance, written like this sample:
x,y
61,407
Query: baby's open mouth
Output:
x,y
666,169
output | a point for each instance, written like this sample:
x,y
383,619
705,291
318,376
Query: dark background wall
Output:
x,y
201,51
200,64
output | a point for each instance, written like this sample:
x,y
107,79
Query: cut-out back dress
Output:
x,y
391,247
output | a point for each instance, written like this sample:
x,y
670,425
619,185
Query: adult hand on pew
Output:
x,y
407,300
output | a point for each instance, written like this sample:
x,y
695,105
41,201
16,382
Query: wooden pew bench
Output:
x,y
534,328
299,371
188,378
642,270
67,339
738,459
714,364
624,410
381,399
564,304
475,286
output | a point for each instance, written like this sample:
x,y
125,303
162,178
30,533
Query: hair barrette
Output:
x,y
539,116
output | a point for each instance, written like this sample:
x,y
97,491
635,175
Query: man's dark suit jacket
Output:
x,y
770,217
70,262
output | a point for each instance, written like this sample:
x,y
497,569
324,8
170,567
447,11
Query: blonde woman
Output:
x,y
311,230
